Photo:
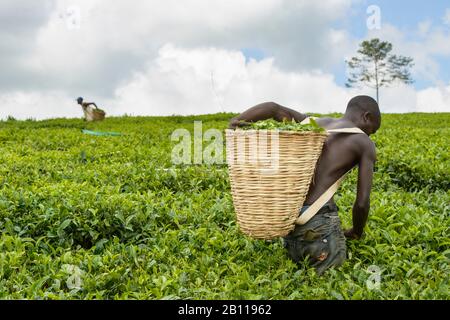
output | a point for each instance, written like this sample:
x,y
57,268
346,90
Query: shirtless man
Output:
x,y
321,238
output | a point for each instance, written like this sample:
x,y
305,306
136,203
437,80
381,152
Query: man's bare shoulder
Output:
x,y
365,145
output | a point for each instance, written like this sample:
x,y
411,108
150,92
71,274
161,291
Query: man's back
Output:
x,y
341,152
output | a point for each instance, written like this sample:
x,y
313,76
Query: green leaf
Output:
x,y
65,224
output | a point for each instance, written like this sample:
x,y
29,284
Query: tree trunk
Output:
x,y
378,98
376,81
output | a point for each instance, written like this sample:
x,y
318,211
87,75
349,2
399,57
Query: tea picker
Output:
x,y
272,185
91,113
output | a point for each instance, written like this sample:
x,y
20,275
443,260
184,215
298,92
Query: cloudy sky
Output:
x,y
155,57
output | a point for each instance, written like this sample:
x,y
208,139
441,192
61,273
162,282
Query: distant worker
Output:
x,y
90,113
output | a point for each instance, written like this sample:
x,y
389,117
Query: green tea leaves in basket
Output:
x,y
272,124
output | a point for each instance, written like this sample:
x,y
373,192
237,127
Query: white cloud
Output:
x,y
115,39
38,105
434,99
398,98
209,80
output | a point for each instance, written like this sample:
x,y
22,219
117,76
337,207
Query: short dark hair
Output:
x,y
361,104
80,99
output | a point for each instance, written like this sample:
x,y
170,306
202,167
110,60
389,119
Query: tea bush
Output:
x,y
111,218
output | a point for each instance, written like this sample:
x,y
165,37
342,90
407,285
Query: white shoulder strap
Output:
x,y
306,120
341,130
319,203
346,130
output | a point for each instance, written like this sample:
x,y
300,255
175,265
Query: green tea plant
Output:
x,y
110,217
271,124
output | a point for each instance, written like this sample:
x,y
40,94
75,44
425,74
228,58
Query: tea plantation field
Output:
x,y
110,217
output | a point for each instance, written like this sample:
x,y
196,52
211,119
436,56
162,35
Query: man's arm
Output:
x,y
87,104
266,110
362,203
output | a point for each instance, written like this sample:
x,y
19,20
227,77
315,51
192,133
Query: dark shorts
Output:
x,y
321,239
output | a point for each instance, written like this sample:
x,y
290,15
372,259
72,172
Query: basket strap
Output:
x,y
319,203
306,120
341,130
346,130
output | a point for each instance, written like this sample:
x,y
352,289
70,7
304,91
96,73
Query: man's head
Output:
x,y
80,100
364,112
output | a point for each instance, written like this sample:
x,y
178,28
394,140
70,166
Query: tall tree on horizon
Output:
x,y
376,67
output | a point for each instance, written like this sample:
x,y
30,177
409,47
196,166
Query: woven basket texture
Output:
x,y
268,183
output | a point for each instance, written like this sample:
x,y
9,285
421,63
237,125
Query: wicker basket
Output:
x,y
268,193
91,114
98,115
